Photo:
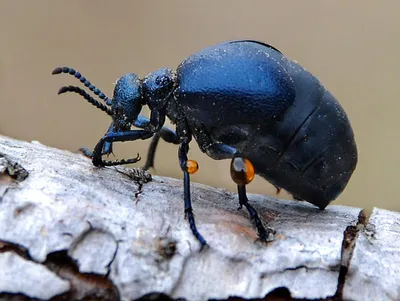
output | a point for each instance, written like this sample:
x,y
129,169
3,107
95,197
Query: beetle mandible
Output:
x,y
241,100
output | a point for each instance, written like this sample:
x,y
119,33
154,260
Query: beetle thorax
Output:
x,y
157,88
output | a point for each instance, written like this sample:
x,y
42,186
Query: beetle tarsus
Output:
x,y
264,234
121,162
190,216
114,137
86,152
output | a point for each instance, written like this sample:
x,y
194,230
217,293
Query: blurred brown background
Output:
x,y
353,47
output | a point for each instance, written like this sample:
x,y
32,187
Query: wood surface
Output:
x,y
70,231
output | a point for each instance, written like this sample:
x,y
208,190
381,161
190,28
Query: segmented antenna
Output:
x,y
86,96
84,81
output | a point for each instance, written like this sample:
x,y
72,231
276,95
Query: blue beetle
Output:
x,y
240,100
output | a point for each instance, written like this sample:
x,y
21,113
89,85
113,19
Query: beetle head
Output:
x,y
127,100
157,88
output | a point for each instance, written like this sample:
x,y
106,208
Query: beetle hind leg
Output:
x,y
265,234
242,173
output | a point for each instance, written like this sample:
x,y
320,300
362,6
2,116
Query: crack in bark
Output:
x,y
94,231
349,242
84,286
23,253
112,259
6,246
181,274
16,297
296,268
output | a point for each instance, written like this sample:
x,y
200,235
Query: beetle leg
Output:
x,y
151,153
263,234
165,133
182,155
114,137
86,152
242,173
107,148
215,150
220,151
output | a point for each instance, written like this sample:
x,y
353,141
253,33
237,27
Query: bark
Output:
x,y
72,231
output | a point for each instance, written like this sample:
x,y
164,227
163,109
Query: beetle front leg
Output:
x,y
107,147
165,133
182,154
121,137
242,173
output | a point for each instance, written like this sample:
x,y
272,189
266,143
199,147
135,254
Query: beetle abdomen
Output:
x,y
247,78
311,152
274,112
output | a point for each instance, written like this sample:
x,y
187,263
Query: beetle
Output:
x,y
242,100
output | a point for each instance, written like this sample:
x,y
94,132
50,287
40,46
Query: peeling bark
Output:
x,y
374,269
85,249
37,281
119,234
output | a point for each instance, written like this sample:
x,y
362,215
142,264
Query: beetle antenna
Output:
x,y
86,96
83,80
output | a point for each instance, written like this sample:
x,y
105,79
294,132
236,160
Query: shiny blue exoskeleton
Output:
x,y
237,99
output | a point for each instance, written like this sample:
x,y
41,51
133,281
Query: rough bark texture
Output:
x,y
71,231
374,270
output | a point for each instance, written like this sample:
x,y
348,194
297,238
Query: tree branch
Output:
x,y
71,230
